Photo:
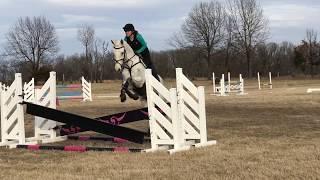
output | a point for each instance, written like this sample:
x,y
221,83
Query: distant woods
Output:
x,y
215,36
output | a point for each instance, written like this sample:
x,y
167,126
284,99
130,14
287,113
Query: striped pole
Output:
x,y
100,138
73,148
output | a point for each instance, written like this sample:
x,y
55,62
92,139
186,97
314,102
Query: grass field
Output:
x,y
267,134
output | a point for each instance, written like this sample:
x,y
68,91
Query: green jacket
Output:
x,y
138,44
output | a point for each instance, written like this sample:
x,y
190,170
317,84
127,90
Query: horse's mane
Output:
x,y
128,47
123,43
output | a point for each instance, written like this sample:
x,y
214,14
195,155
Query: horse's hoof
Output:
x,y
123,97
135,97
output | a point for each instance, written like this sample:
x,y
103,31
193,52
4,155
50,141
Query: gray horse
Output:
x,y
132,69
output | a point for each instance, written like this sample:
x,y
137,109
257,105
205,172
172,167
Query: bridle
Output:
x,y
125,65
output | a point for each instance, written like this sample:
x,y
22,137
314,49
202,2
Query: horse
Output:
x,y
132,69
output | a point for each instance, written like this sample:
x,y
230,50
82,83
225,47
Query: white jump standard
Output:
x,y
12,115
264,84
192,111
10,101
3,87
219,90
85,87
86,90
231,87
29,91
235,86
44,101
165,124
181,123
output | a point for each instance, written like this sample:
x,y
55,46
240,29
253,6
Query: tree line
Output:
x,y
215,36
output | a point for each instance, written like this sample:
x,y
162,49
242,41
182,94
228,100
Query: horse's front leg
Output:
x,y
123,96
125,85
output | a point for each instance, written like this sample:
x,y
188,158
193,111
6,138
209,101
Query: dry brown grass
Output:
x,y
264,135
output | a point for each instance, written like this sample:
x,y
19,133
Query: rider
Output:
x,y
139,46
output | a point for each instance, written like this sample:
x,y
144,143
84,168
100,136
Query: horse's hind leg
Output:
x,y
141,91
130,91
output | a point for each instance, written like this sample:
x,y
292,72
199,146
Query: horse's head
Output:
x,y
119,54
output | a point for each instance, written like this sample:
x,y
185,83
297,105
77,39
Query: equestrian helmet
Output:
x,y
128,27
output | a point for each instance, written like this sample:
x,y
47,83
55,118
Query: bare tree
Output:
x,y
251,27
204,28
32,40
311,36
229,40
307,54
100,53
313,49
86,35
285,65
178,41
6,72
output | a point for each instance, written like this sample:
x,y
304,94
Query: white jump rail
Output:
x,y
311,90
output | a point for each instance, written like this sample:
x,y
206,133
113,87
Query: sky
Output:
x,y
156,20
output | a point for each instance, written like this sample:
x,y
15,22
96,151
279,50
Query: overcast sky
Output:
x,y
157,20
